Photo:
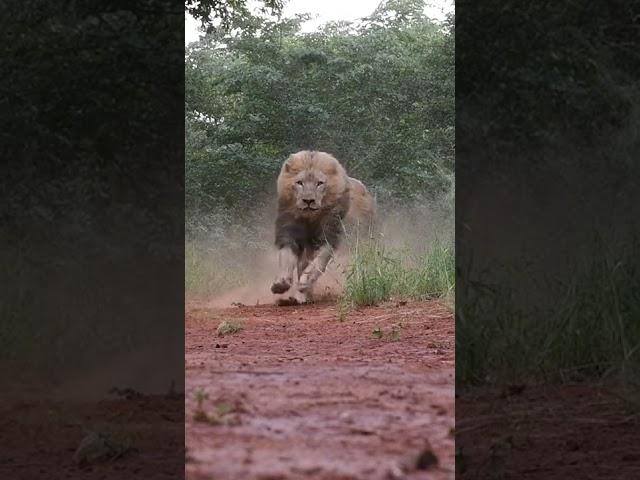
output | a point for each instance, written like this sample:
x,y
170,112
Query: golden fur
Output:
x,y
361,205
340,188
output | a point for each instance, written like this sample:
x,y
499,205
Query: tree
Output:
x,y
379,96
226,12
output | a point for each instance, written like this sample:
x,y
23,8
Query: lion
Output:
x,y
315,197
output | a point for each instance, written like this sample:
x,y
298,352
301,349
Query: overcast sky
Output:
x,y
330,10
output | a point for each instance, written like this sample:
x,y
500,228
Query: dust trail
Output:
x,y
256,291
410,228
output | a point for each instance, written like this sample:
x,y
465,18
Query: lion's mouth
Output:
x,y
309,209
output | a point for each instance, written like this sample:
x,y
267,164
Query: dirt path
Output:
x,y
298,394
547,432
40,437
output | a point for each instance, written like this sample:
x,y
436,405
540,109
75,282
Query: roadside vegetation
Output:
x,y
377,93
377,273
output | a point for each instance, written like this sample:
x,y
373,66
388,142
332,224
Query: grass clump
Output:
x,y
102,445
229,327
224,413
394,332
582,328
378,274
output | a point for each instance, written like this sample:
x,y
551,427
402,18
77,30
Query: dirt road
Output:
x,y
299,394
137,438
550,432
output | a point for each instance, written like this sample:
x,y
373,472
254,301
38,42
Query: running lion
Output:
x,y
315,197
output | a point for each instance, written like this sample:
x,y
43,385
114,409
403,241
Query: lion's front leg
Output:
x,y
315,268
288,270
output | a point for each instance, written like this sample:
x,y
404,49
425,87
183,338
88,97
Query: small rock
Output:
x,y
426,459
96,447
346,417
395,473
422,460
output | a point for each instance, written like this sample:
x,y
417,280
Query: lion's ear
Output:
x,y
287,167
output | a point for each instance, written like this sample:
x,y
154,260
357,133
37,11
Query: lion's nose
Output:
x,y
308,202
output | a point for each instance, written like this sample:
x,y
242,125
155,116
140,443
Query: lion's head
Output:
x,y
311,182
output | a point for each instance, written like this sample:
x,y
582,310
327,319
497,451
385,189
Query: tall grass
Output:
x,y
589,329
62,311
378,273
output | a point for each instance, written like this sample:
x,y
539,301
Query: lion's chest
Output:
x,y
304,234
308,236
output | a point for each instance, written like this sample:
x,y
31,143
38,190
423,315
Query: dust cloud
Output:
x,y
410,228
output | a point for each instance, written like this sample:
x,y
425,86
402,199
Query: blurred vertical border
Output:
x,y
92,239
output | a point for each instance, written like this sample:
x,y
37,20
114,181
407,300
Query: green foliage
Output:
x,y
227,13
378,273
559,126
590,330
91,180
85,122
580,63
378,95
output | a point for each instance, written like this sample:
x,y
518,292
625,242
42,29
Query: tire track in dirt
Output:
x,y
307,396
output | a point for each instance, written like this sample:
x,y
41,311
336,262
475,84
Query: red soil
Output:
x,y
547,432
39,437
299,394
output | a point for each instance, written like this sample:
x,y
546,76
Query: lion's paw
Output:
x,y
297,298
286,302
280,286
301,296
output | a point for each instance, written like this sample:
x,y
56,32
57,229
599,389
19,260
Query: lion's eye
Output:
x,y
320,183
299,182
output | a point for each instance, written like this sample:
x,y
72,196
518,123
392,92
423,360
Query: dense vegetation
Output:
x,y
86,112
222,15
378,94
91,177
547,124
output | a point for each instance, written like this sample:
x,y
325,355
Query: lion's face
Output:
x,y
311,182
309,189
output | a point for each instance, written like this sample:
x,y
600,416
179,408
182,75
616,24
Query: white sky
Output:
x,y
329,10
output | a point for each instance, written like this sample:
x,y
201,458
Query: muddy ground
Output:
x,y
299,394
582,431
140,437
